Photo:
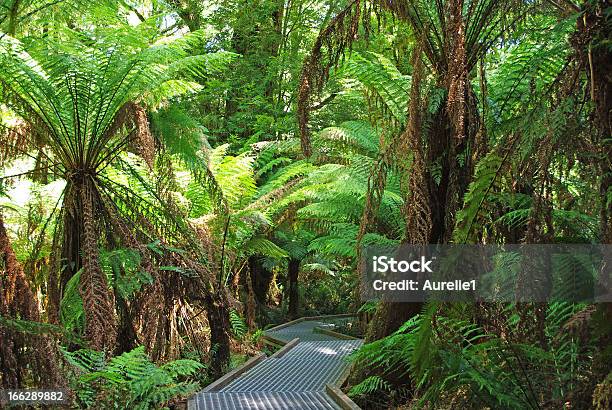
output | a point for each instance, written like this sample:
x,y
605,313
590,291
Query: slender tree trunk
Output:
x,y
294,295
247,296
12,17
251,304
389,317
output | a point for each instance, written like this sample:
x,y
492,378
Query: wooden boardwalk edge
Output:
x,y
271,340
333,333
281,352
234,374
305,318
341,398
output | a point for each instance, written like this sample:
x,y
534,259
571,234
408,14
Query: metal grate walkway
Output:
x,y
296,380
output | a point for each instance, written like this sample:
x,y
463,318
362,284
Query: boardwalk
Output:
x,y
295,380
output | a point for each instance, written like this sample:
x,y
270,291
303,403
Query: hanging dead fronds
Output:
x,y
376,188
14,141
480,140
536,269
144,142
484,22
36,352
328,50
132,121
377,183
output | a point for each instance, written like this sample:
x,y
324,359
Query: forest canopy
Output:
x,y
179,176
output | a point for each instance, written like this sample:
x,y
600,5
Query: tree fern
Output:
x,y
258,245
130,380
447,355
80,96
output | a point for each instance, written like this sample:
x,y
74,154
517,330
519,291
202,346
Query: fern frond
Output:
x,y
381,78
239,326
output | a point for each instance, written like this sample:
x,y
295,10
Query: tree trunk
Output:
x,y
251,304
389,316
592,31
247,296
218,320
261,278
293,273
588,41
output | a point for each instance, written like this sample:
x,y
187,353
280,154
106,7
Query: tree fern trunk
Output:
x,y
98,303
589,43
592,31
218,319
261,278
248,296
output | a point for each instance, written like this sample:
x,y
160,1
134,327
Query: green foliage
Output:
x,y
368,307
528,68
448,356
181,134
341,242
350,136
235,177
264,247
239,327
479,192
130,380
370,385
123,267
218,86
382,78
72,314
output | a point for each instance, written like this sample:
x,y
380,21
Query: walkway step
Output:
x,y
323,350
305,330
289,375
263,401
